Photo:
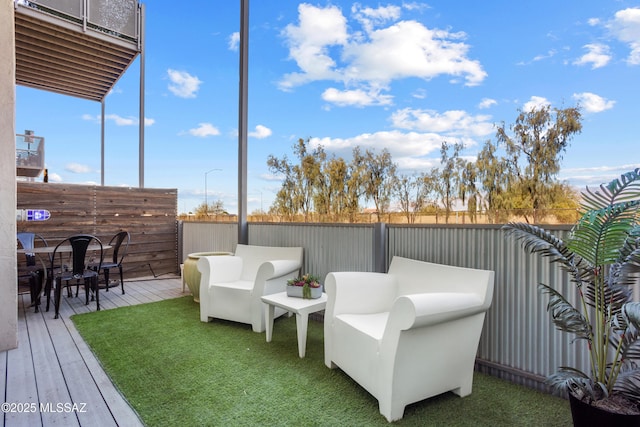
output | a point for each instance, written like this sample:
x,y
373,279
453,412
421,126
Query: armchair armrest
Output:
x,y
417,310
273,275
359,292
277,268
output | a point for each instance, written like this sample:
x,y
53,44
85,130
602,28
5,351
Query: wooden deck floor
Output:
x,y
52,378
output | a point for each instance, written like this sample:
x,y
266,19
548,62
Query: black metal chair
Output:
x,y
32,271
120,245
84,249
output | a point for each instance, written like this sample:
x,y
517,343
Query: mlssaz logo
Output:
x,y
33,215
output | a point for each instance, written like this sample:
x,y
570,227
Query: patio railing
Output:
x,y
115,17
519,343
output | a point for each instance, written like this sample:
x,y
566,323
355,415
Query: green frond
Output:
x,y
615,296
631,312
627,187
631,265
566,376
599,235
628,384
535,239
564,315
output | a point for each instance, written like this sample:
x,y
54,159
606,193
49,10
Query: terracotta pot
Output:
x,y
191,274
587,415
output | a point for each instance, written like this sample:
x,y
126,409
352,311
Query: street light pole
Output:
x,y
206,203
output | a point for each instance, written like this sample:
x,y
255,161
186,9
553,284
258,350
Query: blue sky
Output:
x,y
398,75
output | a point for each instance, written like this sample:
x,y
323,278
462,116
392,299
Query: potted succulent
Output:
x,y
307,286
602,257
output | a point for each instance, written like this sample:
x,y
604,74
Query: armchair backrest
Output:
x,y
414,277
253,257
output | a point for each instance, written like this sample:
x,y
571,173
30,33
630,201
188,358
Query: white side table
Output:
x,y
300,306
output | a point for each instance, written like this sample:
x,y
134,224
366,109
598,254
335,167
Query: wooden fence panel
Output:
x,y
148,214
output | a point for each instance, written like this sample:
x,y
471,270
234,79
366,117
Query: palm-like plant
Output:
x,y
602,257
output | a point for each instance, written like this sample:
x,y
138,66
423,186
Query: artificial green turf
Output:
x,y
175,370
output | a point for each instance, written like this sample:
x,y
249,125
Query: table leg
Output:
x,y
269,313
302,321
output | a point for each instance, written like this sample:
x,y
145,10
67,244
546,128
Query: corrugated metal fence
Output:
x,y
518,343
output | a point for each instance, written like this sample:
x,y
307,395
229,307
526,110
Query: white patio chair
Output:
x,y
407,335
231,286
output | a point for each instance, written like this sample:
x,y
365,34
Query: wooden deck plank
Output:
x,y
54,365
21,383
82,390
50,381
119,407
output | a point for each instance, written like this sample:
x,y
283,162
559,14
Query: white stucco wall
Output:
x,y
8,288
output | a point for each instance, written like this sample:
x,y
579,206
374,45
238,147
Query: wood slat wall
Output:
x,y
148,214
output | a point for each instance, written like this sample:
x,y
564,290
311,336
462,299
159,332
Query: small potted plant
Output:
x,y
602,258
307,286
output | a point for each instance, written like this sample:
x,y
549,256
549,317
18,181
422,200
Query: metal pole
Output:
x,y
243,228
380,245
102,143
206,204
141,125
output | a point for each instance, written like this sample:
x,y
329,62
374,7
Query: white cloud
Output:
x,y
399,144
453,122
593,103
370,17
261,132
204,130
535,102
357,97
118,120
234,41
420,93
77,168
592,176
550,54
183,84
417,164
598,56
409,49
121,121
272,177
487,103
419,6
54,177
114,90
626,27
309,44
324,49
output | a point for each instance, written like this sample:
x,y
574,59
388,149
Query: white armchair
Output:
x,y
231,286
407,335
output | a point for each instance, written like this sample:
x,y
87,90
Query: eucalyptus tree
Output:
x,y
409,192
211,208
286,201
534,147
449,175
331,198
355,184
430,182
494,179
468,190
300,180
379,180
